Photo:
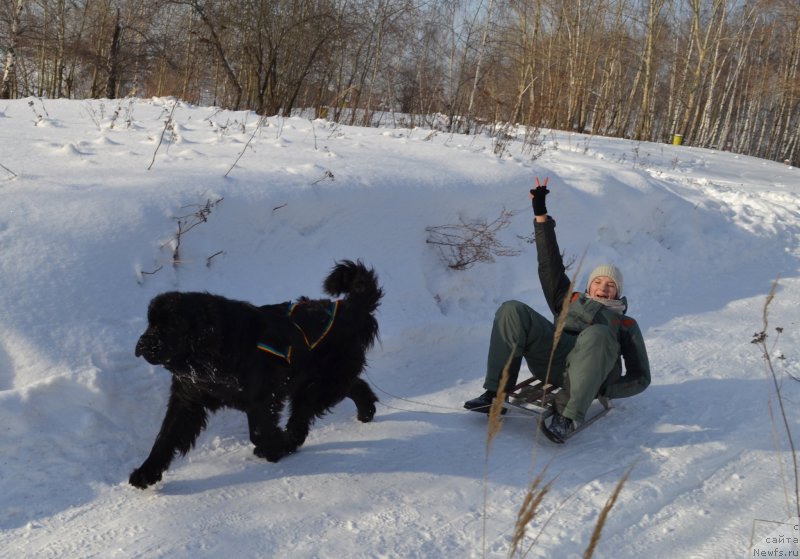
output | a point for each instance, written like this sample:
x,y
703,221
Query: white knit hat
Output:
x,y
610,271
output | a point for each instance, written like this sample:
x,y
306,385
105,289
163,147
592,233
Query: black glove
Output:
x,y
538,201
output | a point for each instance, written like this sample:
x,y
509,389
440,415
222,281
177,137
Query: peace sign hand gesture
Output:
x,y
538,196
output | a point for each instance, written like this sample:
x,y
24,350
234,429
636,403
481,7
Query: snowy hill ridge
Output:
x,y
87,237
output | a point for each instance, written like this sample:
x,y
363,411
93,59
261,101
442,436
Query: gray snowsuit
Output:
x,y
588,359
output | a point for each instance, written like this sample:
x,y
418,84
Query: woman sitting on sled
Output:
x,y
597,336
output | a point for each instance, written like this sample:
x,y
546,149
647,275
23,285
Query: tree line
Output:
x,y
720,73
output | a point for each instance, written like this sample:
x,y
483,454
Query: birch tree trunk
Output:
x,y
735,87
699,73
644,129
216,44
786,148
8,86
58,64
112,81
479,61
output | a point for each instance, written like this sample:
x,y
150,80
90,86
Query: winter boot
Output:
x,y
561,427
482,403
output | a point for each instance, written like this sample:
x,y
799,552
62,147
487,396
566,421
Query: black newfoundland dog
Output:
x,y
225,353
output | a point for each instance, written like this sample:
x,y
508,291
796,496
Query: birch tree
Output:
x,y
644,130
8,85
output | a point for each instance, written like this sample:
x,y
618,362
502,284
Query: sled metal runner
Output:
x,y
535,398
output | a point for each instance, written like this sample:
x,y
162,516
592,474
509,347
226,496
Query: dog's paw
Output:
x,y
270,454
143,478
367,414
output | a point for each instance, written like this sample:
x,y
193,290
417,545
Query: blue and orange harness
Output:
x,y
306,323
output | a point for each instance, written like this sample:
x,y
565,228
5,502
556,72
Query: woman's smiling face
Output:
x,y
603,287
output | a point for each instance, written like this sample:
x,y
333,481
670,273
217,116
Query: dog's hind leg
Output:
x,y
364,399
314,400
182,424
268,438
307,403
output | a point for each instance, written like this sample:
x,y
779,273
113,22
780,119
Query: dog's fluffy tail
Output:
x,y
357,282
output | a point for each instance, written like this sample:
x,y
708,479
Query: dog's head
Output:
x,y
175,330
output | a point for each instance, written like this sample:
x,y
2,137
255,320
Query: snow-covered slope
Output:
x,y
88,221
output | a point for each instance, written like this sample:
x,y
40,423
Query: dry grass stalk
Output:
x,y
562,319
535,494
760,339
495,412
601,520
532,499
529,508
550,518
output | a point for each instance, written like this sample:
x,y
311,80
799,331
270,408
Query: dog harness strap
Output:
x,y
325,331
333,311
285,355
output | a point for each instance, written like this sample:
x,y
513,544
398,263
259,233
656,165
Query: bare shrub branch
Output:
x,y
168,125
188,222
210,258
142,273
327,175
261,121
12,173
462,246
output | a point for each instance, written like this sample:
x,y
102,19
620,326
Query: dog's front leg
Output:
x,y
182,424
305,406
364,399
268,438
307,403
